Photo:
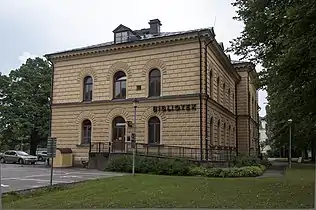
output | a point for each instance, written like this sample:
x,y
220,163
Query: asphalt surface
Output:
x,y
15,177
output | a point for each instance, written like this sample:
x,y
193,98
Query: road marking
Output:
x,y
70,176
38,180
3,185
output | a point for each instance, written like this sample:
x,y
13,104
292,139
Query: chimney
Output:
x,y
154,26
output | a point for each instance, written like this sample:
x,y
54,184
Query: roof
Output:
x,y
142,38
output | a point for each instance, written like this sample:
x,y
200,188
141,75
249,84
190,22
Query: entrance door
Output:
x,y
118,134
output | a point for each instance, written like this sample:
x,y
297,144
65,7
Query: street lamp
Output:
x,y
290,144
135,101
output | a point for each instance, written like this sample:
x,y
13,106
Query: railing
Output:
x,y
214,154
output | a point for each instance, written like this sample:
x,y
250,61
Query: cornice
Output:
x,y
130,45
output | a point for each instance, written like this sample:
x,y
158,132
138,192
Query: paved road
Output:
x,y
16,177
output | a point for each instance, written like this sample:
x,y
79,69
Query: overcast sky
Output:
x,y
35,27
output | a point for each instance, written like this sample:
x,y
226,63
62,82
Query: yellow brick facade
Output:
x,y
183,63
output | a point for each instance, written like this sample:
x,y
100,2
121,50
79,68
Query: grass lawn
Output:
x,y
295,190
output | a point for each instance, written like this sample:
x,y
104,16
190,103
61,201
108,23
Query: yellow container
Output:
x,y
63,158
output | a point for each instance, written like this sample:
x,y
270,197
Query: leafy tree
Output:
x,y
25,108
281,35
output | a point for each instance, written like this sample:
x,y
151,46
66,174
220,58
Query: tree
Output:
x,y
25,103
281,35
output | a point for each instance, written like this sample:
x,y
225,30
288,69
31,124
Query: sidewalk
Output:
x,y
276,170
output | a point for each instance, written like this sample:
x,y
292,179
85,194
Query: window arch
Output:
x,y
119,90
87,88
86,132
154,130
154,83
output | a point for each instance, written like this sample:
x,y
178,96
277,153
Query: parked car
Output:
x,y
14,156
42,156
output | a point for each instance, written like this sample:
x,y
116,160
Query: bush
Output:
x,y
241,161
246,171
123,163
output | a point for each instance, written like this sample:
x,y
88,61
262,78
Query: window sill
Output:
x,y
83,145
86,102
156,145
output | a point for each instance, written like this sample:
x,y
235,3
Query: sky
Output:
x,y
35,27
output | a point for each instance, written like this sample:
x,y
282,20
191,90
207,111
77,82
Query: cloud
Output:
x,y
25,56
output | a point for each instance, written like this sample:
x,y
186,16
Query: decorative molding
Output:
x,y
117,112
149,113
86,116
87,72
118,66
154,64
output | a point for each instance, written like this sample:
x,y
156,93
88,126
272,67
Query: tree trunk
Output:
x,y
313,145
33,145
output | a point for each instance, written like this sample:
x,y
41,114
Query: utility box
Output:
x,y
64,158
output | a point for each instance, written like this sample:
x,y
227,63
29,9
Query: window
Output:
x,y
218,90
121,37
224,132
224,94
211,132
119,85
229,135
86,134
154,130
228,98
87,89
219,131
154,83
211,84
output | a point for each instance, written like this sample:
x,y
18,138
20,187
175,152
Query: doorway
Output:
x,y
118,134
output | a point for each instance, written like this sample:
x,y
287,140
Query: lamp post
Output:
x,y
135,101
290,144
0,188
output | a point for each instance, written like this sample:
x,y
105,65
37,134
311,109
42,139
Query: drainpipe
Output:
x,y
236,119
207,98
200,97
51,99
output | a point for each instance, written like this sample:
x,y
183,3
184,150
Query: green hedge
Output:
x,y
159,166
246,171
123,163
241,161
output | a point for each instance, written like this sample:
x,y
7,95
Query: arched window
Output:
x,y
154,130
119,85
229,136
211,132
228,99
86,132
87,88
218,90
224,94
218,132
224,132
154,83
211,83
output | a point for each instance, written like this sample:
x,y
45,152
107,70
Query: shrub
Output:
x,y
241,161
123,163
246,171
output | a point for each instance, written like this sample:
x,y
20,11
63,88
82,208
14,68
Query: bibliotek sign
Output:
x,y
171,108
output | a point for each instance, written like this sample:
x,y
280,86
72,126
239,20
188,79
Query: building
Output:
x,y
263,137
188,93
